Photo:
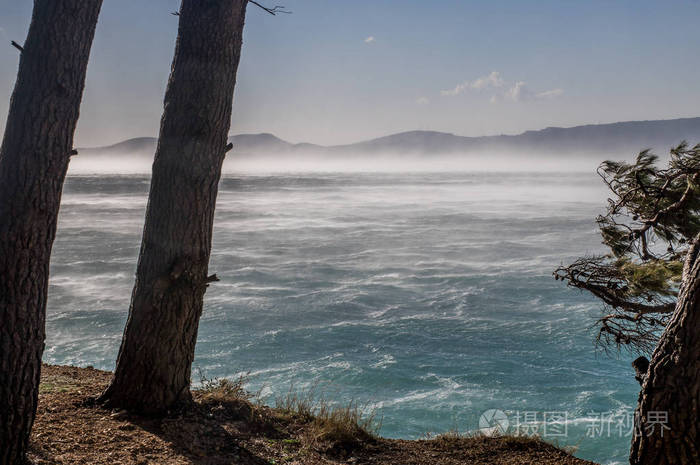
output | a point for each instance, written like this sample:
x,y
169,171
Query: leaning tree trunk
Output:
x,y
155,359
34,158
667,419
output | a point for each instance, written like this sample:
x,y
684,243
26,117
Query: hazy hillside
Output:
x,y
245,143
595,139
590,139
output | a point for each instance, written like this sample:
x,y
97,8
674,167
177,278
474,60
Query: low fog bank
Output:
x,y
140,163
580,148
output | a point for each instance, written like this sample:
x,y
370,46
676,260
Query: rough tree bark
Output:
x,y
671,387
155,359
34,157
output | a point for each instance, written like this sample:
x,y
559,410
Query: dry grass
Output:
x,y
345,424
223,389
331,425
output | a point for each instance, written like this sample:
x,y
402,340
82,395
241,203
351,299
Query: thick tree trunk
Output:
x,y
33,161
667,422
155,359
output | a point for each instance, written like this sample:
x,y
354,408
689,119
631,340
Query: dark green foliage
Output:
x,y
652,218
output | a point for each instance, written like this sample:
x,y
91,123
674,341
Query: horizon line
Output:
x,y
408,132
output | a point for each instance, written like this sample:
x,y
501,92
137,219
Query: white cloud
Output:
x,y
369,40
520,92
517,92
456,91
423,101
550,94
492,80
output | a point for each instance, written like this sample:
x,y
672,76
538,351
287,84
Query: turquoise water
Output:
x,y
426,296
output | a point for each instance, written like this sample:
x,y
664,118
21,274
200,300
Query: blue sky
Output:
x,y
341,71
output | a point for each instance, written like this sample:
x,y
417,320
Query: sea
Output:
x,y
425,297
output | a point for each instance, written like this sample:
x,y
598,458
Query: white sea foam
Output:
x,y
427,295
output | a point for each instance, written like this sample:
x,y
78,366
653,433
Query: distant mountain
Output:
x,y
615,138
244,143
631,136
139,145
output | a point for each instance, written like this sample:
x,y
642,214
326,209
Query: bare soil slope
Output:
x,y
218,429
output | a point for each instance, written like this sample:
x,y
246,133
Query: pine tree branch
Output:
x,y
273,11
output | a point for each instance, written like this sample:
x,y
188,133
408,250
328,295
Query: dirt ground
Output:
x,y
71,429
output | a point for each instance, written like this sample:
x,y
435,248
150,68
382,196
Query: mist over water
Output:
x,y
427,295
131,163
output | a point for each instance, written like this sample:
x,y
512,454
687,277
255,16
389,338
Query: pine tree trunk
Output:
x,y
155,359
672,384
33,162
